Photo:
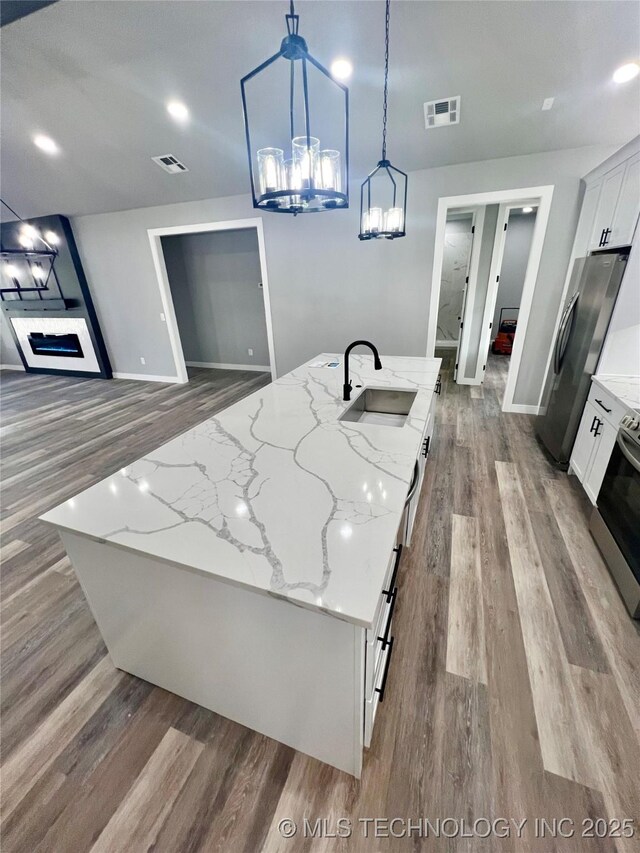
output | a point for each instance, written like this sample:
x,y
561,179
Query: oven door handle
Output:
x,y
627,451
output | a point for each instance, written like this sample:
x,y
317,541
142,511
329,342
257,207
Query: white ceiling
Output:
x,y
95,76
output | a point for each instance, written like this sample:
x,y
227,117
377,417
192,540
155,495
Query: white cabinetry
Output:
x,y
595,440
425,447
626,215
616,209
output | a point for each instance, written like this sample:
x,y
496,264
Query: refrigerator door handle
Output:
x,y
561,341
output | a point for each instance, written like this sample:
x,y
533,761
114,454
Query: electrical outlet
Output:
x,y
250,351
163,318
142,360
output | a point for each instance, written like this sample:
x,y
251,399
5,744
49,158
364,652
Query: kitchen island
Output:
x,y
249,565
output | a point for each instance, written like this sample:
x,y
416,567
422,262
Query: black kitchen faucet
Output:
x,y
346,388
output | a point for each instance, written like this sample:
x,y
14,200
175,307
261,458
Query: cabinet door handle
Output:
x,y
602,406
425,446
601,243
383,685
596,423
438,387
392,584
384,639
607,231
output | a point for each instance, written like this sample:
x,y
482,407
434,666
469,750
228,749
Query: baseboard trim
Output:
x,y
11,366
145,377
522,409
218,365
446,344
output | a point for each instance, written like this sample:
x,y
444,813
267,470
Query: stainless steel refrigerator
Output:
x,y
593,289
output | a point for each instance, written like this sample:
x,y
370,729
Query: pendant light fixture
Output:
x,y
383,196
291,169
27,262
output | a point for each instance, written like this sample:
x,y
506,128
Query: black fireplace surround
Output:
x,y
73,301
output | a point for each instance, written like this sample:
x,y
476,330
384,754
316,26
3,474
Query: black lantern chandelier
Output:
x,y
292,173
27,263
383,196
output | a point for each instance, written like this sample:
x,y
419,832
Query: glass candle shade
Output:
x,y
270,169
306,156
328,173
372,220
293,181
393,220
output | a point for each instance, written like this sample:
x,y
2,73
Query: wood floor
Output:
x,y
514,693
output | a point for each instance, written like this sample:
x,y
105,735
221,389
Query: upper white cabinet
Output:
x,y
626,215
611,207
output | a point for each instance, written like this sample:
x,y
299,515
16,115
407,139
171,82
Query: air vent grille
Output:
x,y
170,164
441,112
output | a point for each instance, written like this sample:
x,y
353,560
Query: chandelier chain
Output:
x,y
386,79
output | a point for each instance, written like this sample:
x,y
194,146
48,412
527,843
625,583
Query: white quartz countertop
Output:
x,y
275,493
625,388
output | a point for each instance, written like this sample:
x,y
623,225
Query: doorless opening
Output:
x,y
215,294
216,289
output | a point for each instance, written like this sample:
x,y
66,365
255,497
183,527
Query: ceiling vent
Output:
x,y
442,112
170,164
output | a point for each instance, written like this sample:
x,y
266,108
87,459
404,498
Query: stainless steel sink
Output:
x,y
381,406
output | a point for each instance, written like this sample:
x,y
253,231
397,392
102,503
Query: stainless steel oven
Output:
x,y
615,522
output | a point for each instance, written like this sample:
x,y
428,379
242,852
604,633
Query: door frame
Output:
x,y
541,196
162,278
497,258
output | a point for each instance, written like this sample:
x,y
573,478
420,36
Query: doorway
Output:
x,y
480,302
215,294
518,237
456,263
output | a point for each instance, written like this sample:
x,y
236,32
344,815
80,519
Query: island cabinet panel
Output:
x,y
285,671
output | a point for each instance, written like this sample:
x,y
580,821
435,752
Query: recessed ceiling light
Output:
x,y
626,72
341,69
527,210
178,111
45,143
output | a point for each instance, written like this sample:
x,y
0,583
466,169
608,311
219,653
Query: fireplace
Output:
x,y
61,345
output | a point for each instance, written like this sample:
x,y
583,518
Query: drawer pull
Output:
x,y
425,446
438,387
383,685
392,585
384,639
602,406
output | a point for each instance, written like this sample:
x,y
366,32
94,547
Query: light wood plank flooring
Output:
x,y
514,693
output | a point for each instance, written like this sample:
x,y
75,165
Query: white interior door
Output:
x,y
464,292
470,282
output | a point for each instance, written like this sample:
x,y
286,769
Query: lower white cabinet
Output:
x,y
595,440
425,447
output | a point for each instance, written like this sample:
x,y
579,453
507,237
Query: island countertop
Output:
x,y
275,494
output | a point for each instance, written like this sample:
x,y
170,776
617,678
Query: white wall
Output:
x,y
215,282
517,247
327,288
